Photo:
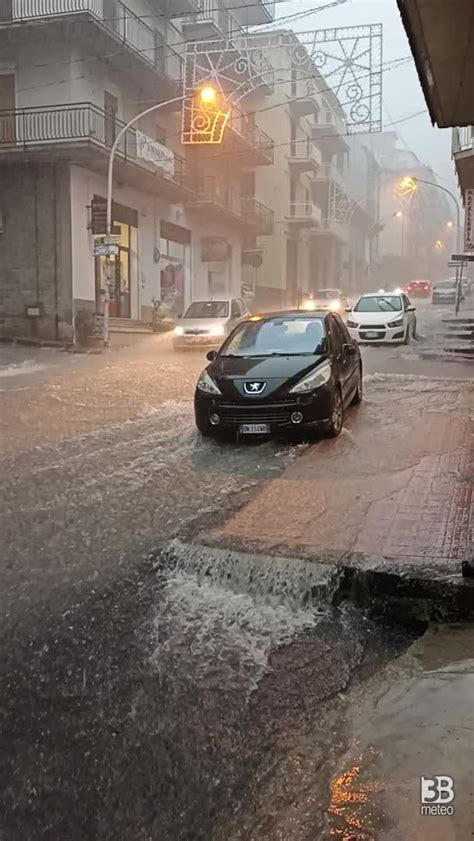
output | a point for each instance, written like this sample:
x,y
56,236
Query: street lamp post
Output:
x,y
208,96
110,176
407,185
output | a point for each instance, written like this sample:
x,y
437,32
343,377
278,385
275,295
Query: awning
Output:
x,y
441,36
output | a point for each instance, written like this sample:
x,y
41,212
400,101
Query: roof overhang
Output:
x,y
441,34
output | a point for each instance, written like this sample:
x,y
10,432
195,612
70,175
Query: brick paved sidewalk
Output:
x,y
393,492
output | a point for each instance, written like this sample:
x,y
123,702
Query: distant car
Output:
x,y
418,289
207,323
382,318
280,373
444,292
326,300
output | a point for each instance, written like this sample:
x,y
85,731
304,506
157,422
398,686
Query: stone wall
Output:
x,y
35,251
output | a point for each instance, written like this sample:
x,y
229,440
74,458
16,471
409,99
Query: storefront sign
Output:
x,y
214,250
106,250
469,223
155,153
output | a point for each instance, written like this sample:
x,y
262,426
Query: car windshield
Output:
x,y
208,309
278,337
379,303
327,294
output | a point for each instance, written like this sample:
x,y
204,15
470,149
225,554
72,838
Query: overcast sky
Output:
x,y
402,94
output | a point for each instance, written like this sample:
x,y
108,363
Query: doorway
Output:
x,y
119,288
7,108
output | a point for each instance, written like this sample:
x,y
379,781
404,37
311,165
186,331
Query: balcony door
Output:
x,y
6,10
7,107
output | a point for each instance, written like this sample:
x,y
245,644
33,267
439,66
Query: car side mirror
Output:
x,y
411,309
350,350
348,309
211,355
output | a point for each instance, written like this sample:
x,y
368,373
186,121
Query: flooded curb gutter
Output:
x,y
407,595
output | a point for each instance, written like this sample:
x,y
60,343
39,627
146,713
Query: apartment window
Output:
x,y
111,110
308,201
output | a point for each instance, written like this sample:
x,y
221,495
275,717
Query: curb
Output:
x,y
398,596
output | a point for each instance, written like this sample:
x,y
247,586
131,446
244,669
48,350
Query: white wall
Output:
x,y
150,211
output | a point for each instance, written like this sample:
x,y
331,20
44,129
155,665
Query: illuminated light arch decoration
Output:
x,y
349,59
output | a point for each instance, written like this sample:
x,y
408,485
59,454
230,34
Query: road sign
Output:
x,y
112,239
105,250
454,264
469,222
462,258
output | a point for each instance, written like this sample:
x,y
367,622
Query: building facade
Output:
x,y
72,73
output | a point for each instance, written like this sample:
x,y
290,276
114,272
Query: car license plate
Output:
x,y
372,334
254,428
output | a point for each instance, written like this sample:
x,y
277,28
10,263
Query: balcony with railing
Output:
x,y
111,19
252,12
84,133
218,32
223,202
304,214
304,98
259,217
463,140
463,155
304,156
330,174
253,146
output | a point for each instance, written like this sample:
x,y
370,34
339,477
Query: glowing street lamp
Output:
x,y
407,186
208,96
439,245
449,224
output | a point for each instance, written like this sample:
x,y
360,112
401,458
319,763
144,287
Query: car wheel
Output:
x,y
406,340
337,416
414,333
357,399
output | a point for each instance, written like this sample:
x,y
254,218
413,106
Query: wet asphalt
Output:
x,y
134,704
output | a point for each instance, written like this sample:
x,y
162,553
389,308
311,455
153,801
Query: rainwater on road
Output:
x,y
146,702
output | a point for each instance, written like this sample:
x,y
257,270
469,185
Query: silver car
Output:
x,y
208,323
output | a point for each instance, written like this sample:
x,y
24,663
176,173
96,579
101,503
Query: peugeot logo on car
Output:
x,y
254,388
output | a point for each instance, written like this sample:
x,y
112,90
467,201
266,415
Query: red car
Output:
x,y
418,289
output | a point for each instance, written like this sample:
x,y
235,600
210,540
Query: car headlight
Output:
x,y
178,331
206,384
218,330
335,305
309,305
352,324
313,380
397,323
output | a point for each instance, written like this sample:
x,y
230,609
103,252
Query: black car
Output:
x,y
280,372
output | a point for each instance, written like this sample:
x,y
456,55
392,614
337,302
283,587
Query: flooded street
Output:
x,y
153,693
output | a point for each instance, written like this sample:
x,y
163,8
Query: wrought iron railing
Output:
x,y
304,210
117,18
260,216
252,134
35,127
302,149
